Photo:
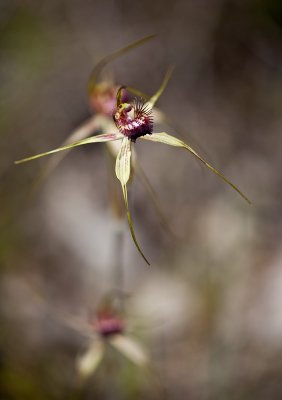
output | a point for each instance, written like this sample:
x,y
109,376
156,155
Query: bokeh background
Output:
x,y
209,309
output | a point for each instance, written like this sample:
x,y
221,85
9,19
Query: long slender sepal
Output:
x,y
123,174
160,117
85,130
165,81
163,137
111,57
106,137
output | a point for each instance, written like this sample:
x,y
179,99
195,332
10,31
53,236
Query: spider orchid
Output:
x,y
109,329
134,120
106,327
102,100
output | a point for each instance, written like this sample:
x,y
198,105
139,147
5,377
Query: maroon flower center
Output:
x,y
107,325
134,120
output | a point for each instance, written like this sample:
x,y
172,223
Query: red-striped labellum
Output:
x,y
133,120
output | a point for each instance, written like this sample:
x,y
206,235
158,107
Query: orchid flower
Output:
x,y
109,329
107,326
134,120
102,99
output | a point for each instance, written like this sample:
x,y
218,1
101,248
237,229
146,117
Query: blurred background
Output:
x,y
209,309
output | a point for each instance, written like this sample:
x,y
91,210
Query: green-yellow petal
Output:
x,y
105,137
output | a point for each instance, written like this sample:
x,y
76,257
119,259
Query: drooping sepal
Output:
x,y
163,137
123,174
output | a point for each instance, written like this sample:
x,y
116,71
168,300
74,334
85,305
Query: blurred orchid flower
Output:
x,y
109,329
108,326
135,120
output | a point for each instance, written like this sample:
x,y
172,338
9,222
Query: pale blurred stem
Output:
x,y
118,213
163,356
118,272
